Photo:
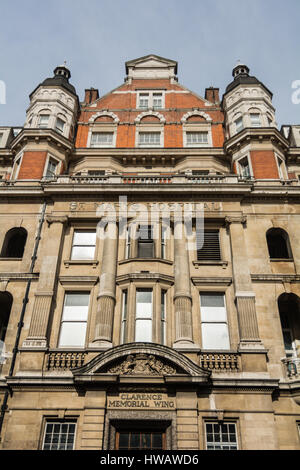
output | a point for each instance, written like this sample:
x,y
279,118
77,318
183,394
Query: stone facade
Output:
x,y
164,333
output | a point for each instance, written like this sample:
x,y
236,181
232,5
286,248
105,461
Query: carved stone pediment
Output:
x,y
140,364
138,360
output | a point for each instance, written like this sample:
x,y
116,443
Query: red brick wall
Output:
x,y
264,164
32,165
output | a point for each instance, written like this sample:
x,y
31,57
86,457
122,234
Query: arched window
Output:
x,y
14,243
5,307
289,311
278,244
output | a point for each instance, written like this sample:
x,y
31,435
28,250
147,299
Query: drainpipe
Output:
x,y
21,323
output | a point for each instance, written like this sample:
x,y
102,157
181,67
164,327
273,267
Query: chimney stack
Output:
x,y
212,94
91,94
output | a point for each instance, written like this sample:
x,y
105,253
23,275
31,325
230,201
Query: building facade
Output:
x,y
150,267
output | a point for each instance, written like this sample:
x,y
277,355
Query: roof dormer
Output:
x,y
151,67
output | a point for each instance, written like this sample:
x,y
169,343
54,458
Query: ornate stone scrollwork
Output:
x,y
142,364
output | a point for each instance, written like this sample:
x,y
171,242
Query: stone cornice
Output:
x,y
37,135
286,278
259,133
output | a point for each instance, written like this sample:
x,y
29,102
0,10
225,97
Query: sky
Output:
x,y
97,37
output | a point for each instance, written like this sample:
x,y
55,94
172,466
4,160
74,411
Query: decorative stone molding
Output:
x,y
105,113
140,359
64,360
238,219
220,362
196,112
55,219
142,364
150,113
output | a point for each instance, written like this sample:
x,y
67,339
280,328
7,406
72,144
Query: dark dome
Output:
x,y
60,78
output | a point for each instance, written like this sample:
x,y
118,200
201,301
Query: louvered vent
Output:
x,y
211,246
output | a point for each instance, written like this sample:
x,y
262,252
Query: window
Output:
x,y
163,317
143,315
255,119
164,230
278,244
59,435
208,249
102,139
74,320
280,165
221,436
145,242
124,316
5,307
43,121
214,326
288,306
239,126
51,169
60,124
149,139
150,99
244,167
96,173
196,138
140,439
84,243
128,242
14,243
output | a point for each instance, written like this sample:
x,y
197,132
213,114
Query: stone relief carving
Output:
x,y
139,364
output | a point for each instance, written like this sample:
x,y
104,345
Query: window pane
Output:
x,y
84,238
101,138
78,313
83,252
197,137
143,330
213,308
145,249
72,334
212,300
77,299
215,336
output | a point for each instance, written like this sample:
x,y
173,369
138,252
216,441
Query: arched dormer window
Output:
x,y
103,130
5,308
278,244
14,243
149,129
196,126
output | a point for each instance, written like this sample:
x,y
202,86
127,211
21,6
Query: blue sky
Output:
x,y
96,37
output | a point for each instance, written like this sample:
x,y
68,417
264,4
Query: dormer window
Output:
x,y
43,121
150,99
255,119
196,138
102,139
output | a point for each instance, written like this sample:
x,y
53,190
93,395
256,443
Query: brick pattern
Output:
x,y
32,165
176,105
264,164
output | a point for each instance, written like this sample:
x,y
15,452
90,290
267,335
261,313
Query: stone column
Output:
x,y
107,291
244,295
182,290
49,253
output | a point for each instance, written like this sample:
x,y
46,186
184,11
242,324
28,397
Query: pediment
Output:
x,y
142,359
151,66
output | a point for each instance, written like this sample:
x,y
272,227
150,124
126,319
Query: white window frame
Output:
x,y
220,443
239,128
60,422
17,166
281,167
83,245
124,316
215,322
85,322
163,316
58,129
40,118
109,128
145,318
239,166
102,144
151,96
58,166
257,123
197,127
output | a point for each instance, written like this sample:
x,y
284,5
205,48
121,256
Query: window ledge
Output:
x,y
10,259
92,262
210,263
161,260
286,260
